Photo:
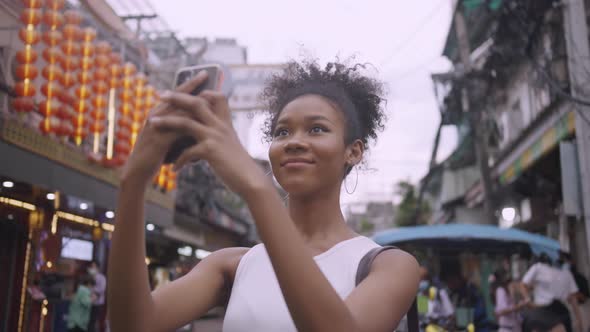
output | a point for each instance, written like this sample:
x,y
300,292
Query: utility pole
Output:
x,y
475,117
578,55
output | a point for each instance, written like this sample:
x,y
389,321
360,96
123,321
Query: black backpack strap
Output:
x,y
363,271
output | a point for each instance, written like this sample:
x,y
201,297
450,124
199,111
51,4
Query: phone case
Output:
x,y
212,82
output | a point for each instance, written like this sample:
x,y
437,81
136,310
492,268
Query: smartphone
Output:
x,y
213,82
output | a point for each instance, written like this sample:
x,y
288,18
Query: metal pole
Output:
x,y
578,51
475,116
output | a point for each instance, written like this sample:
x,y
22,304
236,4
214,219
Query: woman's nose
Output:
x,y
295,143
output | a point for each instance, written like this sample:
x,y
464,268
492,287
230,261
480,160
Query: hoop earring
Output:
x,y
356,181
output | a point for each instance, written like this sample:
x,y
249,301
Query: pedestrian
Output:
x,y
506,309
552,288
81,305
97,316
302,275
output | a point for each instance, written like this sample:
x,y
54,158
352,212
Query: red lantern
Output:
x,y
81,106
48,107
23,104
72,32
66,98
79,121
171,181
49,124
124,122
100,87
127,83
97,127
101,60
126,95
103,47
73,17
82,92
33,3
69,63
88,35
115,58
114,72
52,37
84,77
27,71
123,134
55,4
28,55
70,47
52,55
99,102
129,69
68,80
25,89
87,49
86,63
52,73
29,36
53,18
30,16
122,147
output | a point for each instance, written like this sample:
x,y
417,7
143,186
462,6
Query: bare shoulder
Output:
x,y
397,262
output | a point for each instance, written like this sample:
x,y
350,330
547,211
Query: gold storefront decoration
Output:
x,y
17,203
78,219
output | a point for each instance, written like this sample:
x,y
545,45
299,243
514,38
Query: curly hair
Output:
x,y
359,97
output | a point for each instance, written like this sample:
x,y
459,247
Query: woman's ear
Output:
x,y
354,152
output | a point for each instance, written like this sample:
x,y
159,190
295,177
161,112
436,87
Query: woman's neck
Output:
x,y
319,218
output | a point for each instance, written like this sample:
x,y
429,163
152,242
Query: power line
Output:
x,y
407,41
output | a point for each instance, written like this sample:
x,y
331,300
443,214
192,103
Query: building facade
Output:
x,y
518,81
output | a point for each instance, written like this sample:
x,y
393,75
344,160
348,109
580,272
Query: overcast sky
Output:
x,y
403,39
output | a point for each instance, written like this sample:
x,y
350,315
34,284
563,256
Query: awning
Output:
x,y
468,233
562,128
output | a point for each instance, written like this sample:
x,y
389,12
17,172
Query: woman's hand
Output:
x,y
152,145
209,123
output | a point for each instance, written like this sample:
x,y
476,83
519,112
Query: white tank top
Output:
x,y
256,302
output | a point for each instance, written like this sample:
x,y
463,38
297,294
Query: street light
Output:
x,y
7,184
150,227
110,214
83,206
50,196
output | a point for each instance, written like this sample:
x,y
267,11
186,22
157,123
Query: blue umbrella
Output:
x,y
468,232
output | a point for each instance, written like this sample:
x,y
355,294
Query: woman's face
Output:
x,y
308,153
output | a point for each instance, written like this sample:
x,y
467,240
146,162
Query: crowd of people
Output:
x,y
546,298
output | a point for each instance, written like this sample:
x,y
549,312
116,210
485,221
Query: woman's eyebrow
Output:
x,y
311,118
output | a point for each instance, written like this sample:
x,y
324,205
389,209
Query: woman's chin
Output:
x,y
298,188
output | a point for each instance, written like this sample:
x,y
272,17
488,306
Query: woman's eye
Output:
x,y
281,132
317,129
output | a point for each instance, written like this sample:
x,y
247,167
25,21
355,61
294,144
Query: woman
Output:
x,y
302,275
81,305
506,308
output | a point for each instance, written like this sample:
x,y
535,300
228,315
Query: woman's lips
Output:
x,y
296,162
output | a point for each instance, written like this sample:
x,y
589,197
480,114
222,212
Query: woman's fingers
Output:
x,y
179,124
219,102
193,83
199,108
192,154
